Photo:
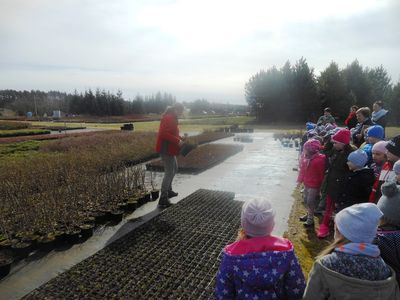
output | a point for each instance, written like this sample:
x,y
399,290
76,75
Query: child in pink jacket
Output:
x,y
312,170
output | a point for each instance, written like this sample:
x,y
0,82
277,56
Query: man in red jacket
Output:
x,y
168,145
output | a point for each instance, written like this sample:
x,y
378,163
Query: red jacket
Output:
x,y
387,174
312,171
349,117
168,135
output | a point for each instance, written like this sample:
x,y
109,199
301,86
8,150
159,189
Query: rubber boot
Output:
x,y
323,231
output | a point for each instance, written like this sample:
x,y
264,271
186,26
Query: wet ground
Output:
x,y
262,169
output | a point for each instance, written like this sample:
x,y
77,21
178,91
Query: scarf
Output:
x,y
366,249
379,114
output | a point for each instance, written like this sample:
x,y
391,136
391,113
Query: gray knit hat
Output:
x,y
359,222
359,158
389,203
257,217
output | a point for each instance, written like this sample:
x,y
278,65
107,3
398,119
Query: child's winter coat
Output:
x,y
388,241
387,175
326,284
356,187
337,171
260,268
312,170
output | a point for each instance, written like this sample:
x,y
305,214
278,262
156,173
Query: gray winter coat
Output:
x,y
326,284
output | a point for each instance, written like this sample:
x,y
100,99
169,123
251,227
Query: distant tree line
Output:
x,y
295,93
203,106
98,103
102,103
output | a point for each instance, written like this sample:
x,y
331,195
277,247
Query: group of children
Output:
x,y
359,191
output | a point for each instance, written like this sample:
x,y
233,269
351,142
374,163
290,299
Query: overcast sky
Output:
x,y
190,48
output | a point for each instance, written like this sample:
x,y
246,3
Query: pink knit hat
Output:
x,y
342,136
380,147
312,145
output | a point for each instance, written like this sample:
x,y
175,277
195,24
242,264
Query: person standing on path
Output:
x,y
168,145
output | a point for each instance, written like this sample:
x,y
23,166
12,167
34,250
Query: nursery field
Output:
x,y
173,256
189,124
53,191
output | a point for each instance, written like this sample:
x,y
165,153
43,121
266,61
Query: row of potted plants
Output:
x,y
68,214
167,258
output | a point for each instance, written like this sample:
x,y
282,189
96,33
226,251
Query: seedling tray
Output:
x,y
175,255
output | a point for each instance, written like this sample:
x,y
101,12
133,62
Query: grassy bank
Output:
x,y
22,132
305,241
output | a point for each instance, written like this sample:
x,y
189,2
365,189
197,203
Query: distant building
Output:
x,y
56,114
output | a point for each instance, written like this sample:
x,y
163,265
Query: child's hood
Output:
x,y
258,245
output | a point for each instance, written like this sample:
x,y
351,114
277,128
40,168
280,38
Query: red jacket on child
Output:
x,y
312,171
387,174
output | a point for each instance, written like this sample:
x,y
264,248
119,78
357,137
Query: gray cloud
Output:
x,y
87,44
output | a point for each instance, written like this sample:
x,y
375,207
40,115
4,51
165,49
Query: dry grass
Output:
x,y
392,132
305,241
